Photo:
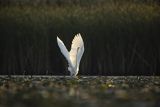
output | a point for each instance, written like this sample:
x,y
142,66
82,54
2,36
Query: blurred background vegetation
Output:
x,y
120,36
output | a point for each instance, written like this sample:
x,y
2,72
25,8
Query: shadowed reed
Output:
x,y
121,38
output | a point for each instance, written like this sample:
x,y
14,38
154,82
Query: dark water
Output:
x,y
88,91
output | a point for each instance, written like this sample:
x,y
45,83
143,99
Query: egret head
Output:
x,y
73,71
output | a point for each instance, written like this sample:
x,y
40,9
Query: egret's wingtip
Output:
x,y
58,40
78,34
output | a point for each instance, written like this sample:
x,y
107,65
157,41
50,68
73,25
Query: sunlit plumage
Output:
x,y
74,55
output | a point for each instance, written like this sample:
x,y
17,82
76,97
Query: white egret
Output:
x,y
74,55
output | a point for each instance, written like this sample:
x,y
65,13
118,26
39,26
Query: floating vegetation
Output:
x,y
89,91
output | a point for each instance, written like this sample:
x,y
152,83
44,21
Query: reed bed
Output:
x,y
121,38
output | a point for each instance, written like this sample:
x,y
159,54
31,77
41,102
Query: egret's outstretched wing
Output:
x,y
80,51
77,49
63,50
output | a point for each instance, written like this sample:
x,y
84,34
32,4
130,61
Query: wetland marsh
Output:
x,y
86,91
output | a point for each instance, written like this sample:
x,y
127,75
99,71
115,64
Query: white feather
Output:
x,y
74,56
63,50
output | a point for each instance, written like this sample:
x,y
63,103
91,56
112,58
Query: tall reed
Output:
x,y
121,38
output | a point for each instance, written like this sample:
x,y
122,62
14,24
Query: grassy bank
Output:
x,y
120,38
